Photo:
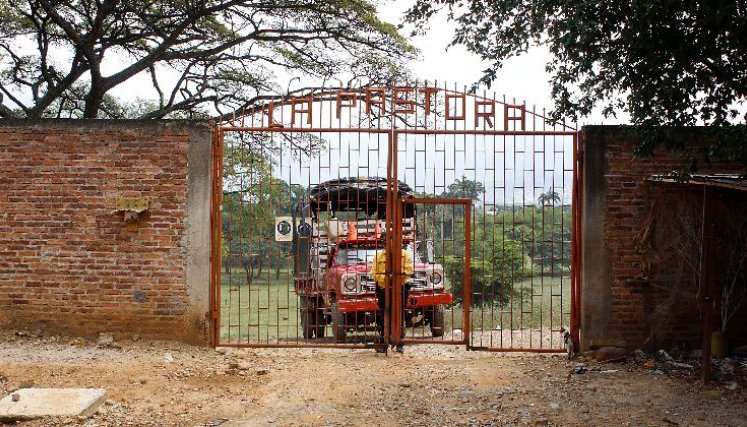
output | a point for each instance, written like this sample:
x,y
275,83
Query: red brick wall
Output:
x,y
619,296
67,261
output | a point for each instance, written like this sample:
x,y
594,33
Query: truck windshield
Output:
x,y
353,255
365,255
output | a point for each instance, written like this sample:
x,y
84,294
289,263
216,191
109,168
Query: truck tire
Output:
x,y
437,321
320,322
320,329
338,324
308,317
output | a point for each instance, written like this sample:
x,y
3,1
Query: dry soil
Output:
x,y
168,384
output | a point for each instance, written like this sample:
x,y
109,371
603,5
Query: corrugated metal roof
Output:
x,y
730,181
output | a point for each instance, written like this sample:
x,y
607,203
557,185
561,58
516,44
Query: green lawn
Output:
x,y
266,311
540,308
263,311
543,301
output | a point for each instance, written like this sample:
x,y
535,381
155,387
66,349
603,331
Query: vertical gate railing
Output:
x,y
455,327
513,282
517,304
576,239
216,235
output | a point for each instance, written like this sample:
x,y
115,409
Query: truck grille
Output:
x,y
368,284
418,280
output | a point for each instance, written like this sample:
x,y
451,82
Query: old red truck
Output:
x,y
337,238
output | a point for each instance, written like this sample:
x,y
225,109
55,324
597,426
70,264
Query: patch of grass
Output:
x,y
265,311
262,309
537,302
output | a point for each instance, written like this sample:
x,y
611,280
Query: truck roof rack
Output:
x,y
365,194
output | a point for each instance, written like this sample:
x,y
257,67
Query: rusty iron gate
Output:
x,y
312,190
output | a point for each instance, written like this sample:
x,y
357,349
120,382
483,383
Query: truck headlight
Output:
x,y
436,278
350,284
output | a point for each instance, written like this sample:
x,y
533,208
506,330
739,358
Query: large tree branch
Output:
x,y
69,30
77,69
5,111
14,100
169,41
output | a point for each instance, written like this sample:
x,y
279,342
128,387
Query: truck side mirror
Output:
x,y
429,248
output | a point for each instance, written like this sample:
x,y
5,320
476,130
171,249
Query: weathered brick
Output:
x,y
67,262
627,200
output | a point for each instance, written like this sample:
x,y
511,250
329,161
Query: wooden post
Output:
x,y
706,286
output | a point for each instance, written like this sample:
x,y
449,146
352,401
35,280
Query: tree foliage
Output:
x,y
508,243
64,58
545,235
252,198
464,188
549,198
491,281
666,62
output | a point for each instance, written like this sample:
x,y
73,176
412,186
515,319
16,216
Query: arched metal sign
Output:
x,y
469,197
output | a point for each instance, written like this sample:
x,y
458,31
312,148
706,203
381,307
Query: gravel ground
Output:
x,y
169,384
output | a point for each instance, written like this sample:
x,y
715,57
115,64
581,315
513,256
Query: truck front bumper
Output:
x,y
415,301
358,304
418,300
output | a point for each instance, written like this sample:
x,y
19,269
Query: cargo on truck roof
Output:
x,y
365,194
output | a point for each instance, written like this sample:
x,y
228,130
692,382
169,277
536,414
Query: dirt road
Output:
x,y
167,384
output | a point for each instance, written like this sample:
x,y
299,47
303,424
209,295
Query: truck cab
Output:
x,y
335,250
350,291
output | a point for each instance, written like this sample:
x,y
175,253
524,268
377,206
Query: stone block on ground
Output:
x,y
608,354
31,403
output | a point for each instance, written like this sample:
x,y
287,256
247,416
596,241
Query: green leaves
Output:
x,y
665,62
216,55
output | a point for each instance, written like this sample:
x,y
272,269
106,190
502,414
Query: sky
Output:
x,y
514,170
522,78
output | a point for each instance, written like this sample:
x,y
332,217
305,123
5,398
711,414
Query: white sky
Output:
x,y
523,77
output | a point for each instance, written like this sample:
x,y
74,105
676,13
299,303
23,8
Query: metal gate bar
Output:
x,y
395,103
216,236
220,132
577,240
467,204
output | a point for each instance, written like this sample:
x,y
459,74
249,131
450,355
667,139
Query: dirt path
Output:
x,y
166,384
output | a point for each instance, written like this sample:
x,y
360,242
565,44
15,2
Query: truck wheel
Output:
x,y
338,324
320,322
308,317
437,321
320,330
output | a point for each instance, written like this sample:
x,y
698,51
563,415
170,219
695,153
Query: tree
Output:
x,y
549,198
201,56
252,198
464,188
672,63
732,274
545,234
